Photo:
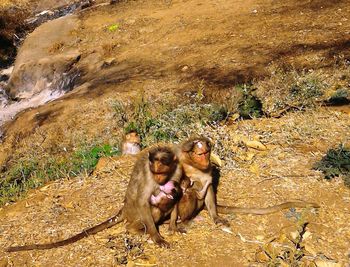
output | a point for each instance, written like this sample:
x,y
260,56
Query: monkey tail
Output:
x,y
262,211
85,233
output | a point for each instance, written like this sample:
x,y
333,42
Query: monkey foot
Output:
x,y
179,230
160,241
221,221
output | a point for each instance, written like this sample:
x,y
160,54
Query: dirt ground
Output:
x,y
282,172
171,47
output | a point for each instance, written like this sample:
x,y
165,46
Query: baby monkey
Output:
x,y
183,196
166,196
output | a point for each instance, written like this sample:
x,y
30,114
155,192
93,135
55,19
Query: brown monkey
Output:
x,y
192,192
131,143
154,167
194,155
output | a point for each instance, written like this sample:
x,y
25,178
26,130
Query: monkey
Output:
x,y
194,155
192,191
154,167
167,195
131,143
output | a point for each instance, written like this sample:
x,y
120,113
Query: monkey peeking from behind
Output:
x,y
154,168
131,144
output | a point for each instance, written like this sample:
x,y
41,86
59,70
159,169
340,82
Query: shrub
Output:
x,y
294,90
335,163
32,172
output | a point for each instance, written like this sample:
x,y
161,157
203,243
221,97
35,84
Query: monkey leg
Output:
x,y
211,206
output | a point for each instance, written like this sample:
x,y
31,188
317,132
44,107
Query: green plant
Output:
x,y
336,162
249,106
32,172
85,160
341,96
167,122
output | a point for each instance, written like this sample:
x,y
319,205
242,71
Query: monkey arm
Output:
x,y
173,219
201,194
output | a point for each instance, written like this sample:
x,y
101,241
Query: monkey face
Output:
x,y
132,137
200,152
162,163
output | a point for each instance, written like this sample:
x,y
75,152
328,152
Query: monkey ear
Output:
x,y
188,146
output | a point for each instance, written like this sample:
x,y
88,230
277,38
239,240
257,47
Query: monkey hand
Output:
x,y
221,221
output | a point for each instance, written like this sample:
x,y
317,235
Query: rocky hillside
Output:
x,y
273,72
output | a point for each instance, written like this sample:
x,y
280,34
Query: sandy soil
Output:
x,y
283,172
220,43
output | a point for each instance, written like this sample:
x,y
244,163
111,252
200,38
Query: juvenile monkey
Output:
x,y
154,167
194,155
131,143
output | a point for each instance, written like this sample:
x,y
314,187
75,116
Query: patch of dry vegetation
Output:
x,y
290,89
12,23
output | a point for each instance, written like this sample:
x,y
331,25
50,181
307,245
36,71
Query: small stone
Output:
x,y
185,68
307,235
261,257
260,237
294,235
325,263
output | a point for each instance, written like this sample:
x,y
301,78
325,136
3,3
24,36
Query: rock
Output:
x,y
185,68
256,145
307,235
38,66
325,263
294,235
261,256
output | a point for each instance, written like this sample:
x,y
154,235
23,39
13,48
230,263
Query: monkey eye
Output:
x,y
165,160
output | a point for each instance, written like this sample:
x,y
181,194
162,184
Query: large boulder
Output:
x,y
46,60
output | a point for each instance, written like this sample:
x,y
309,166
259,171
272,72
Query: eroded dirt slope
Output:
x,y
168,48
220,44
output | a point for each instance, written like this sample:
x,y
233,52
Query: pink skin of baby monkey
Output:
x,y
166,191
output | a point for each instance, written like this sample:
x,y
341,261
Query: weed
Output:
x,y
335,163
340,97
295,90
249,106
175,124
166,122
32,172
